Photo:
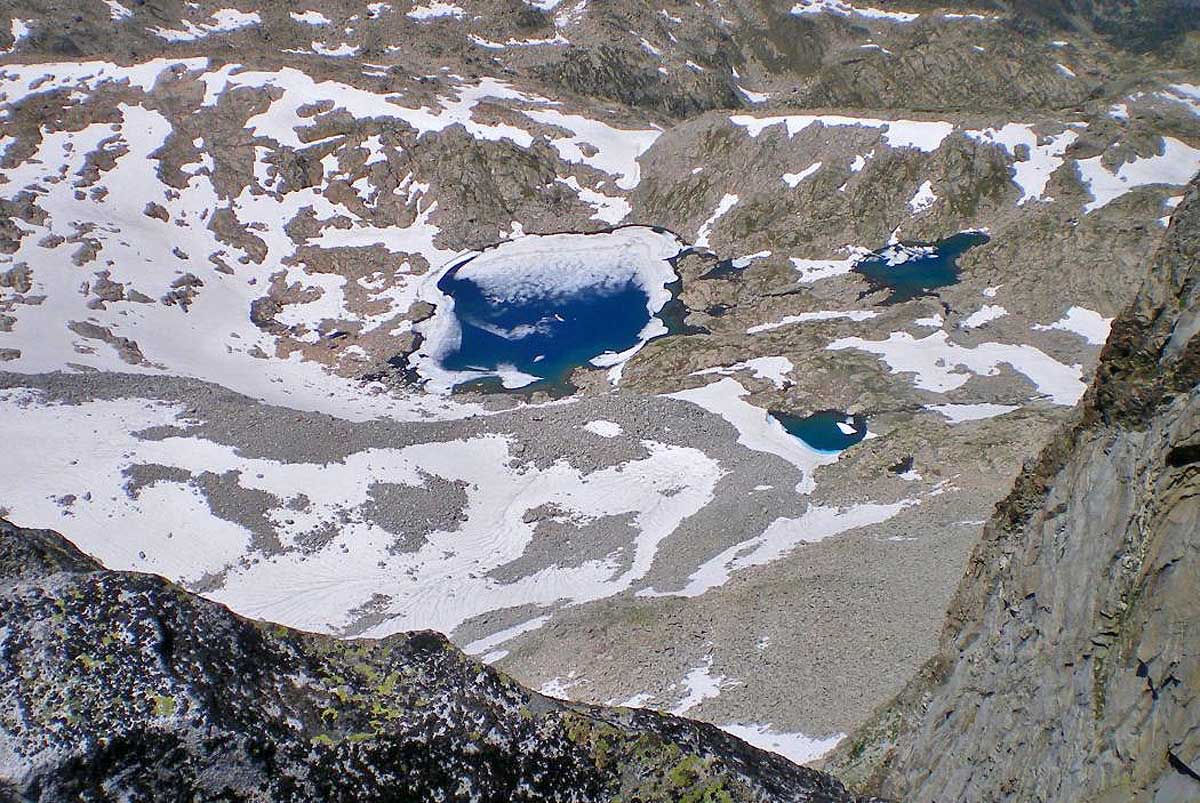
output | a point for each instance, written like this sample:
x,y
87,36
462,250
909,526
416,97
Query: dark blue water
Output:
x,y
919,273
546,337
820,431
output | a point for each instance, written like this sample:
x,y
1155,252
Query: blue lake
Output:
x,y
524,313
542,336
911,270
828,431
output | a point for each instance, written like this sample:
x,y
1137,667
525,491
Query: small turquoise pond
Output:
x,y
911,270
828,431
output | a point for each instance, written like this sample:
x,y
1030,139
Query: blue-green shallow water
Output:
x,y
820,431
918,273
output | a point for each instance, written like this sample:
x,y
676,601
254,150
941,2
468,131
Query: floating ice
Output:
x,y
827,431
534,308
911,270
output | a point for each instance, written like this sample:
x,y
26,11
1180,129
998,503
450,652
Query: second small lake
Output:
x,y
828,431
911,270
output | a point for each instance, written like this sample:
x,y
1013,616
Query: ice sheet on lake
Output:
x,y
548,267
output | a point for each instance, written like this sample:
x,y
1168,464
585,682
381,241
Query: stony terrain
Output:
x,y
221,227
123,686
1068,665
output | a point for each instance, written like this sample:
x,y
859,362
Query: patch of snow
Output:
x,y
310,17
605,429
340,51
793,179
780,538
727,202
796,747
489,643
700,685
224,20
751,96
1175,166
844,9
116,11
1088,324
921,135
1046,155
611,209
434,11
958,413
985,314
1185,94
808,317
923,198
812,270
941,366
773,369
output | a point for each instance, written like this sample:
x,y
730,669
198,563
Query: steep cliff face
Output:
x,y
117,685
1069,663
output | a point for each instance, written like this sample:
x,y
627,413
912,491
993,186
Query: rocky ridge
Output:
x,y
117,685
1068,664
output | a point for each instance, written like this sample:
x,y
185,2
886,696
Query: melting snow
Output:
x,y
936,363
985,314
1175,167
85,449
774,369
795,747
843,9
1091,326
924,136
435,10
923,198
793,179
958,413
808,317
1046,154
605,429
727,202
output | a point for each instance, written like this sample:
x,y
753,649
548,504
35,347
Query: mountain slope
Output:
x,y
117,685
1068,663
